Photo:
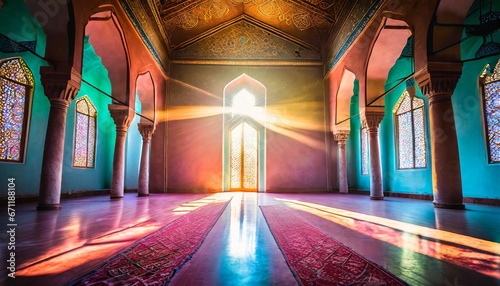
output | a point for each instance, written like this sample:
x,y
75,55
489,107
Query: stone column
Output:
x,y
123,116
438,82
61,86
146,130
341,138
371,120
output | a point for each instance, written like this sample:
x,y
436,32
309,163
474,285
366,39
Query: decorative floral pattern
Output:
x,y
15,80
85,133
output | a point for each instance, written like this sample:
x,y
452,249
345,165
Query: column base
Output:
x,y
376,198
116,197
48,207
449,206
142,195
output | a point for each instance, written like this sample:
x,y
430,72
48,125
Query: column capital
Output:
x,y
122,115
341,135
371,119
146,130
60,82
439,78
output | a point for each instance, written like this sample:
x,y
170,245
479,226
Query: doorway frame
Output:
x,y
259,91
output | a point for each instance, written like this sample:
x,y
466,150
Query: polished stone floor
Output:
x,y
414,241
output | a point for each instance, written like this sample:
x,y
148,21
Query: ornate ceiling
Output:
x,y
305,26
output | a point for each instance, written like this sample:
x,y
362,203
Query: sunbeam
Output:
x,y
469,252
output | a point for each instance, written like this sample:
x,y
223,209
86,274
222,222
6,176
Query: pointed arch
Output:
x,y
244,135
107,37
409,122
145,87
16,89
388,45
343,98
490,82
85,133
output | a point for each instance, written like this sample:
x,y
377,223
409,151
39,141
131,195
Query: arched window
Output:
x,y
16,87
364,151
85,133
410,132
491,101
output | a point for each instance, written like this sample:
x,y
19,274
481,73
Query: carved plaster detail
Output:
x,y
146,130
439,78
371,119
61,83
341,135
122,116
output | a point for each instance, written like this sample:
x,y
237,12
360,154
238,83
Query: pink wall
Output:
x,y
296,149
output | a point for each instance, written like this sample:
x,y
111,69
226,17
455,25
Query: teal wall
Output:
x,y
355,177
99,177
415,181
133,150
479,178
17,24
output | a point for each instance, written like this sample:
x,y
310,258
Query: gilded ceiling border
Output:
x,y
126,7
353,34
248,63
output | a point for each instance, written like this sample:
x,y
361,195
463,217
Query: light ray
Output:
x,y
473,253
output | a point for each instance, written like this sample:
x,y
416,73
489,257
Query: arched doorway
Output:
x,y
244,135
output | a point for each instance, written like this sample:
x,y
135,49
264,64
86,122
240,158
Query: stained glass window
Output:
x,y
85,133
491,103
410,132
243,157
364,151
16,85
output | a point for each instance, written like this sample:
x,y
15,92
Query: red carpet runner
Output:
x,y
154,259
318,259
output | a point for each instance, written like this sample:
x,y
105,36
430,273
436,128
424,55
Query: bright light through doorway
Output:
x,y
243,103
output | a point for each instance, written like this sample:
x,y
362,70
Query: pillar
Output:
x,y
438,82
146,130
341,138
371,120
60,85
122,116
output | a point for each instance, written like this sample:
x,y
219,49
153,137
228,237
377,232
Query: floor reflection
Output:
x,y
476,254
242,227
71,240
246,257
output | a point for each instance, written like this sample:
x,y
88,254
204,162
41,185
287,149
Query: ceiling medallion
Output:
x,y
270,9
188,21
217,9
301,21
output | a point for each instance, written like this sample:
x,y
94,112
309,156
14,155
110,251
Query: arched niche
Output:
x,y
146,91
244,127
343,100
387,48
107,38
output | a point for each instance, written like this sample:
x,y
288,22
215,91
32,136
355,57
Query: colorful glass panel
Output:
x,y
364,151
244,152
420,149
236,156
405,144
249,157
85,133
15,78
410,135
492,114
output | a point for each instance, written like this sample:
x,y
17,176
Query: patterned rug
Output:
x,y
154,259
316,258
